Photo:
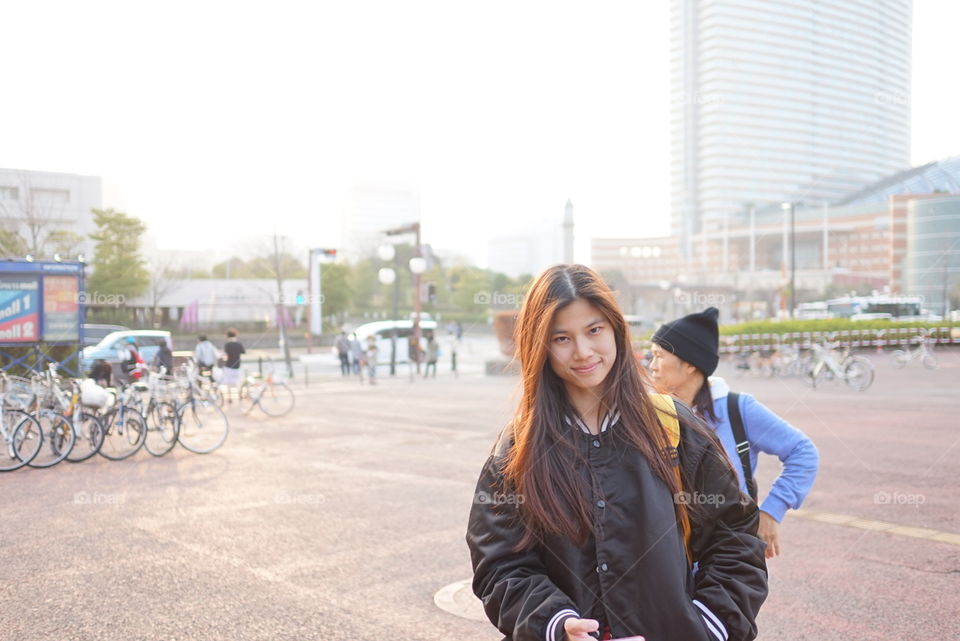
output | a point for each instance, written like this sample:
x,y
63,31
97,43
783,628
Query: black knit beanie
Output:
x,y
695,338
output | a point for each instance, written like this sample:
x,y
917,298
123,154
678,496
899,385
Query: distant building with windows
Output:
x,y
39,206
783,101
901,234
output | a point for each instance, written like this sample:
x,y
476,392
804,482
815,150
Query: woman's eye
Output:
x,y
596,330
559,339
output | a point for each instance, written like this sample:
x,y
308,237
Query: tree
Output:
x,y
262,266
161,283
336,290
64,242
118,268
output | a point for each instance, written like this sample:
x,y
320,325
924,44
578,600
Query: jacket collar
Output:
x,y
609,420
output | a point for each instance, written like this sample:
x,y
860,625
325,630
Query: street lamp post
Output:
x,y
417,265
388,275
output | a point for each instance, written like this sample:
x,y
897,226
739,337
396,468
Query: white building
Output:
x,y
211,301
777,100
36,203
372,211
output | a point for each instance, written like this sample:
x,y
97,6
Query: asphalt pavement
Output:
x,y
346,518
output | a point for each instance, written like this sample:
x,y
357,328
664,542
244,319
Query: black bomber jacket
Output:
x,y
633,575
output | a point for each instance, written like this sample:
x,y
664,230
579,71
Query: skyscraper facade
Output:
x,y
783,100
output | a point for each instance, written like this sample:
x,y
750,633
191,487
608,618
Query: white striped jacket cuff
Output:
x,y
556,620
713,623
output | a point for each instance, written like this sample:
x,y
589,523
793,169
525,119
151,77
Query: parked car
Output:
x,y
93,333
383,330
112,346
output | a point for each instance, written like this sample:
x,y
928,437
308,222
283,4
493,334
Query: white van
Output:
x,y
111,347
383,330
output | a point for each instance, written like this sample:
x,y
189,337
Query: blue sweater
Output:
x,y
770,434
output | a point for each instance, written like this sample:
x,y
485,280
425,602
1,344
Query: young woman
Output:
x,y
580,528
685,354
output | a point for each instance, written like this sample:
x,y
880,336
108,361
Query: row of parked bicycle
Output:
x,y
45,419
828,361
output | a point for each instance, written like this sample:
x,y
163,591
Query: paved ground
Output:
x,y
343,520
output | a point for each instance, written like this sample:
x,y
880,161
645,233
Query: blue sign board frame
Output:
x,y
39,270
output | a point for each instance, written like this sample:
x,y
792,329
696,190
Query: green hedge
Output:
x,y
759,332
826,325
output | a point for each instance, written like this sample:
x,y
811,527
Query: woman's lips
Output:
x,y
586,370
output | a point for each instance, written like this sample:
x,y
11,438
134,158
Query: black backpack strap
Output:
x,y
743,445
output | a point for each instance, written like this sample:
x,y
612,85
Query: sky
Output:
x,y
218,123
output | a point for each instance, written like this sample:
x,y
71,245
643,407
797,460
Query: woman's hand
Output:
x,y
769,532
579,629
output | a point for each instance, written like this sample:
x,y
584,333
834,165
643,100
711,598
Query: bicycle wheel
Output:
x,y
250,393
277,399
22,439
89,438
858,373
59,437
163,427
216,393
203,426
900,358
125,432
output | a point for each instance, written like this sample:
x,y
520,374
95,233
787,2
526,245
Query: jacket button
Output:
x,y
596,442
601,503
602,567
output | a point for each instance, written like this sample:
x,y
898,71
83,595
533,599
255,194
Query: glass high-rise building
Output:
x,y
779,100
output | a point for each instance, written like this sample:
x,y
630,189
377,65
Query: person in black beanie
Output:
x,y
686,352
694,338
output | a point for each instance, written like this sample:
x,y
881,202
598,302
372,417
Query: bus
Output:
x,y
908,308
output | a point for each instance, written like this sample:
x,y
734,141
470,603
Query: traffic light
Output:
x,y
329,253
432,293
301,299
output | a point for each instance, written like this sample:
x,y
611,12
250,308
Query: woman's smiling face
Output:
x,y
583,347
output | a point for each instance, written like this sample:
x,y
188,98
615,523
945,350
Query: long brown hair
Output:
x,y
545,449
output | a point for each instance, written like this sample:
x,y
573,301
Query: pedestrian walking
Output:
x,y
433,354
414,354
232,350
343,353
163,359
599,496
686,352
371,358
356,355
131,363
206,355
